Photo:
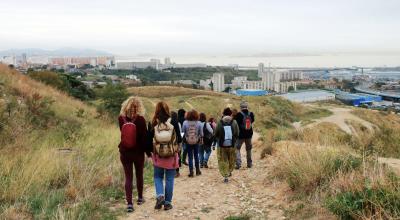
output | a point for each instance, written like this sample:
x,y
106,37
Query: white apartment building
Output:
x,y
260,69
167,61
9,60
184,82
287,75
137,65
206,84
283,87
237,81
189,65
253,85
131,77
218,81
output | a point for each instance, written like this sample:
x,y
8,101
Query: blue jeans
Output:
x,y
159,174
193,150
204,153
184,152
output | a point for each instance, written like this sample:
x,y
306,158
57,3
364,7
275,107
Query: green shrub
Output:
x,y
368,202
240,217
64,82
40,112
44,206
112,96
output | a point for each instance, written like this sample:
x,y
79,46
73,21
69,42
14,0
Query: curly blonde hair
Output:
x,y
132,107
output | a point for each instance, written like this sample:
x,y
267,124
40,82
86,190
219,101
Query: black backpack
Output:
x,y
208,136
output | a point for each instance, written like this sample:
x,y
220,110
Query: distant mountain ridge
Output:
x,y
58,52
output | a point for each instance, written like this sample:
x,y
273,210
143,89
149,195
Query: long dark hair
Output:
x,y
174,118
203,117
181,115
161,115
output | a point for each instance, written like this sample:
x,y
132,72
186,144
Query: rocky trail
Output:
x,y
250,192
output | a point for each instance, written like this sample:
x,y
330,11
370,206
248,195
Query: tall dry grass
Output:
x,y
66,169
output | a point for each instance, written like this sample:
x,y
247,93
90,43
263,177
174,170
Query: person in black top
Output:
x,y
245,120
181,119
178,130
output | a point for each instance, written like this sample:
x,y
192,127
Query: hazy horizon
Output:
x,y
301,32
207,27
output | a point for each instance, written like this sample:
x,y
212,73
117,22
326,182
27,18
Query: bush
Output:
x,y
40,112
372,196
112,96
66,83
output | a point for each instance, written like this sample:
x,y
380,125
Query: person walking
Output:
x,y
213,124
166,139
174,121
226,133
245,120
133,147
181,119
205,145
192,134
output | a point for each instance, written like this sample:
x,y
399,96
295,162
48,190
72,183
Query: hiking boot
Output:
x,y
205,166
249,165
237,167
191,174
160,202
201,166
198,172
226,180
140,201
130,208
167,207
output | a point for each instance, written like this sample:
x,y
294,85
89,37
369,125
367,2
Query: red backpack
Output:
x,y
247,125
128,135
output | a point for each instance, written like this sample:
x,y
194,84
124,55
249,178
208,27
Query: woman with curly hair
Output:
x,y
192,136
133,146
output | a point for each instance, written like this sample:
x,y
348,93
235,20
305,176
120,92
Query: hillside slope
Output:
x,y
57,160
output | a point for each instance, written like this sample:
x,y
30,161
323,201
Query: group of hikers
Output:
x,y
171,138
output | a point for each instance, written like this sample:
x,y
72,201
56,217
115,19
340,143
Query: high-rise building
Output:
x,y
24,59
218,81
260,69
167,61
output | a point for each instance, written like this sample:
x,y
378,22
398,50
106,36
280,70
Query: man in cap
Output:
x,y
245,120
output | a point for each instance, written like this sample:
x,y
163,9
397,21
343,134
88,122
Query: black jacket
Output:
x,y
243,133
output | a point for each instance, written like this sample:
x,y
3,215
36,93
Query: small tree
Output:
x,y
211,85
112,96
227,89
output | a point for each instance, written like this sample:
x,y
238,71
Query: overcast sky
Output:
x,y
128,27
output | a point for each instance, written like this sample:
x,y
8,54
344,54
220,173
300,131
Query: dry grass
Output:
x,y
39,180
170,91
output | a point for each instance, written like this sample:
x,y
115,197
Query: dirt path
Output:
x,y
189,105
249,191
339,117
